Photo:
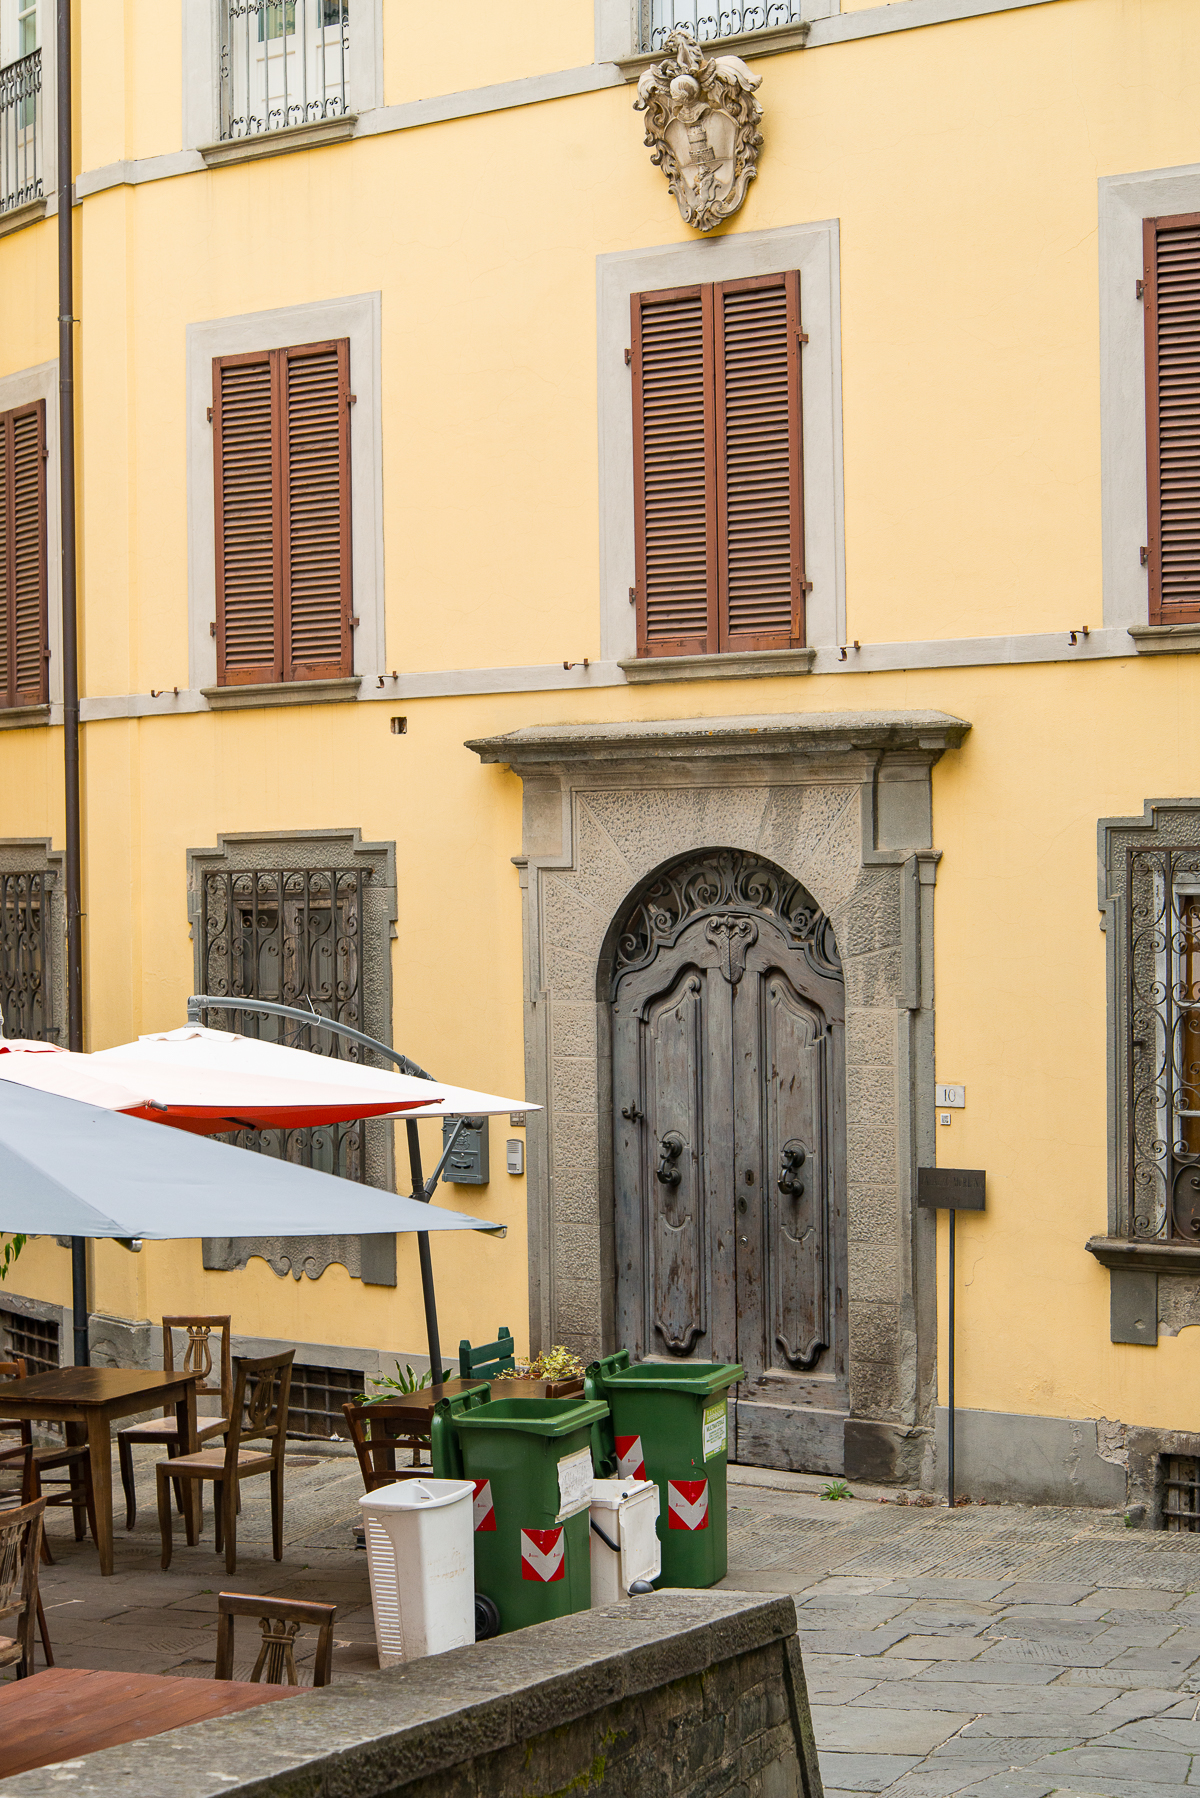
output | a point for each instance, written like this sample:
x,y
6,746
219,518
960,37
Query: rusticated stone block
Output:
x,y
573,1027
871,1036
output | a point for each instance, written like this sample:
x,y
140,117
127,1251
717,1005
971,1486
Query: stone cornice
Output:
x,y
1145,1257
783,736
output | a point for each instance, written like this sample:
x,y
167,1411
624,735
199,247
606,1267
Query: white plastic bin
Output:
x,y
627,1512
421,1556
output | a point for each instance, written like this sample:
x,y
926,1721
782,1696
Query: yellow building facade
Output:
x,y
730,910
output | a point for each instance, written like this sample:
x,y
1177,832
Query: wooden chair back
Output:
x,y
19,1432
377,1432
261,1391
20,1551
488,1360
198,1356
280,1620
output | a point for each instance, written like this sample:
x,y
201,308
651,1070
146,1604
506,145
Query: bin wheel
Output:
x,y
640,1586
487,1617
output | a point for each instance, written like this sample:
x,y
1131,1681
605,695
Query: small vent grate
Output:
x,y
1181,1492
33,1339
317,1397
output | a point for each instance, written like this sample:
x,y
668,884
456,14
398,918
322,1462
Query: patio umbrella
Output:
x,y
70,1169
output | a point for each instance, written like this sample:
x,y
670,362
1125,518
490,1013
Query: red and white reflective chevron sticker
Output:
x,y
543,1555
630,1462
687,1504
485,1516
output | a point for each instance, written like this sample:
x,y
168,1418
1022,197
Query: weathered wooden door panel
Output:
x,y
674,1141
796,1045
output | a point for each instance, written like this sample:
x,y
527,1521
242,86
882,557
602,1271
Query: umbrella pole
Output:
x,y
427,1292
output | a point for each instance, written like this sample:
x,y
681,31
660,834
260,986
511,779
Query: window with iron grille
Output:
x,y
281,458
718,478
33,1339
20,106
1180,1493
292,936
26,989
316,1400
709,24
282,64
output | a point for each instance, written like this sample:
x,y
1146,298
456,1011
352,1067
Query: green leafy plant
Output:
x,y
557,1363
837,1489
8,1254
405,1381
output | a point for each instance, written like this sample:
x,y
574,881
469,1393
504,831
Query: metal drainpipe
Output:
x,y
66,440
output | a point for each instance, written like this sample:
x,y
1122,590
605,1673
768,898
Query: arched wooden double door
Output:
x,y
728,1128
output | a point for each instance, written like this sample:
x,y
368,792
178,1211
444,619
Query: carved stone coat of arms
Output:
x,y
702,124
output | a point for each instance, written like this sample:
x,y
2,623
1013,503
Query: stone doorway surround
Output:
x,y
842,801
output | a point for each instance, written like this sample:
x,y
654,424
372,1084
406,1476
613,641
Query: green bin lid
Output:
x,y
696,1377
536,1416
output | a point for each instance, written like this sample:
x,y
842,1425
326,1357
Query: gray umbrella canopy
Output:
x,y
68,1169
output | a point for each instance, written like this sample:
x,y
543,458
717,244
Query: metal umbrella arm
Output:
x,y
422,1189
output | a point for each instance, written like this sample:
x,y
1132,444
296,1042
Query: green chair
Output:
x,y
489,1360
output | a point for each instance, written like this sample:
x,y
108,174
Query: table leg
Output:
x,y
185,1419
100,1456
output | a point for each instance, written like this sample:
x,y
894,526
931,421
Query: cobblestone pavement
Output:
x,y
992,1651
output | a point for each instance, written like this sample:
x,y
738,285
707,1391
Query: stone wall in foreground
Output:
x,y
675,1695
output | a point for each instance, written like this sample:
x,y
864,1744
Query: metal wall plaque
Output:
x,y
951,1188
468,1163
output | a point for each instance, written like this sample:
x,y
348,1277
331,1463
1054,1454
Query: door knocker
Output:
x,y
670,1149
793,1161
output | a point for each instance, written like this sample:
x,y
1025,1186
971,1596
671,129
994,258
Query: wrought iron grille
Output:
x,y
316,1397
282,63
25,985
1163,1046
20,136
294,937
33,1339
709,23
1181,1493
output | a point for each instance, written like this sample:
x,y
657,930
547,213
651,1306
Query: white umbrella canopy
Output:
x,y
70,1169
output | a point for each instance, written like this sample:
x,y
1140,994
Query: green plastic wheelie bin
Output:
x,y
669,1425
531,1462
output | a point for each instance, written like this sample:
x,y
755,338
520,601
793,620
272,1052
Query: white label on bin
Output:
x,y
631,1463
687,1504
715,1435
543,1555
574,1484
484,1510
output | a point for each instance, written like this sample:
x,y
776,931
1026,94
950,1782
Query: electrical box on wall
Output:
x,y
468,1162
516,1155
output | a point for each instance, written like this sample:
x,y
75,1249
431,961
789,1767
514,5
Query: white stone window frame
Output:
x,y
617,30
358,317
1125,201
22,389
47,113
201,80
813,249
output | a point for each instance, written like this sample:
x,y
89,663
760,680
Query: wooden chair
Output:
x,y
280,1620
36,1460
164,1431
20,1551
489,1360
377,1430
259,1410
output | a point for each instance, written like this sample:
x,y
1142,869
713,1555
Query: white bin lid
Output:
x,y
417,1495
610,1495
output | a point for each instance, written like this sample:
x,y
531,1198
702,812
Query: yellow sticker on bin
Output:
x,y
715,1436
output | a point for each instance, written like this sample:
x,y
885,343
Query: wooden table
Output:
x,y
68,1711
88,1400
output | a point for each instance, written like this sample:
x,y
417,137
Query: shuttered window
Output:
x,y
23,556
281,455
718,487
1172,306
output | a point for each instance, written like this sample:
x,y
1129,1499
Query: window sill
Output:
x,y
20,717
280,143
1165,639
20,216
1145,1257
299,692
740,664
745,43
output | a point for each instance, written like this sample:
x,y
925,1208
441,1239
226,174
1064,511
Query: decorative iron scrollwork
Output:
x,y
793,1157
723,883
25,940
631,1114
669,1150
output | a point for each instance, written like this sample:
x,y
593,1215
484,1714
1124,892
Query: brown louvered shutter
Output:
x,y
281,454
759,487
23,654
674,471
1172,306
316,511
718,467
